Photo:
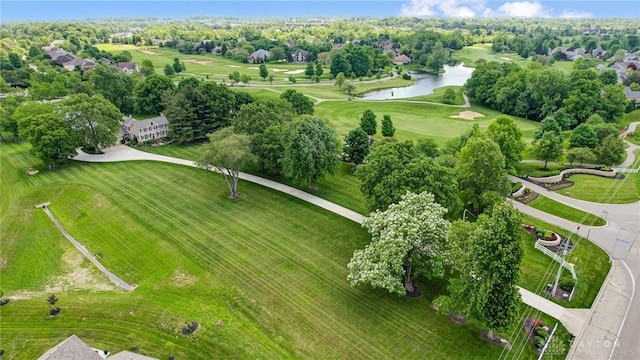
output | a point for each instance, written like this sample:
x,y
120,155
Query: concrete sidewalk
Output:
x,y
572,319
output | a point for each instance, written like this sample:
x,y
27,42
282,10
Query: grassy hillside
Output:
x,y
270,268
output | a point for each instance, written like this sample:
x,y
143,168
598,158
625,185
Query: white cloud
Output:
x,y
470,8
521,9
576,14
449,8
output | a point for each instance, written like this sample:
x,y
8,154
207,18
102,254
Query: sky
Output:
x,y
66,10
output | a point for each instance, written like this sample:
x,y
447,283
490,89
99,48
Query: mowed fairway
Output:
x,y
271,268
412,120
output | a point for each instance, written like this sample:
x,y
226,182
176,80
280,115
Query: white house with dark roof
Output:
x,y
128,67
143,130
632,95
299,56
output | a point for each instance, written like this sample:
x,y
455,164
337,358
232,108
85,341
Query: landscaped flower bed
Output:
x,y
537,332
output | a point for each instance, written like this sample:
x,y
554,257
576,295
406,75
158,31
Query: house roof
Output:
x,y
71,349
631,94
260,53
125,65
158,120
401,59
300,51
128,355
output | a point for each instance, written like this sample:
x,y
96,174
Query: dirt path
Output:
x,y
83,249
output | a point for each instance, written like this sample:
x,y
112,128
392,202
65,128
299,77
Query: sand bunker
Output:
x,y
253,68
505,59
199,62
234,66
467,115
278,70
149,52
294,72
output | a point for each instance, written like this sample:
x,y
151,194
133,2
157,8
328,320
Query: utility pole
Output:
x,y
555,286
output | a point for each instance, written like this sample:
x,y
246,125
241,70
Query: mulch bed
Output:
x,y
554,186
54,312
564,244
560,294
190,328
497,339
4,301
528,197
416,292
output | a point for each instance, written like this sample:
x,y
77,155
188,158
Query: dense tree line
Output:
x,y
535,92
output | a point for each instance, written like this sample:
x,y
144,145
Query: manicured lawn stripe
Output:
x,y
592,188
553,207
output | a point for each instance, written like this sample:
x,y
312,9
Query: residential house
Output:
x,y
299,56
598,53
566,54
632,95
385,45
128,67
216,50
72,348
259,56
401,60
84,64
143,130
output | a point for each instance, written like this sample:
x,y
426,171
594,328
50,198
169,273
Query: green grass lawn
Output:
x,y
604,190
437,94
591,265
553,207
411,120
535,169
270,267
469,55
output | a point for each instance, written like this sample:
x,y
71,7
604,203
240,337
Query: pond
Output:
x,y
424,84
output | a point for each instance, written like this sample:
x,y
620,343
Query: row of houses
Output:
x,y
70,61
579,53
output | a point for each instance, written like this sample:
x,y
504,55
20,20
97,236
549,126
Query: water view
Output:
x,y
424,84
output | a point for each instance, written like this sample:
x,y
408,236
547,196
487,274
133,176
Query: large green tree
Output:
x,y
548,124
356,146
227,153
339,64
257,116
583,136
263,71
50,138
368,122
611,151
270,145
300,103
489,266
311,151
149,93
506,133
408,239
392,169
580,155
481,173
114,85
548,147
94,121
388,130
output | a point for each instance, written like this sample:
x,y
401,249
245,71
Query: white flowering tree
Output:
x,y
408,239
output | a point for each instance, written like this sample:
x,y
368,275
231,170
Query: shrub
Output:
x,y
567,284
541,332
406,76
540,342
515,186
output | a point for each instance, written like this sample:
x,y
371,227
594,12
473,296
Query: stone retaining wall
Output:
x,y
558,178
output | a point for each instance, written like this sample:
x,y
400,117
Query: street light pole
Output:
x,y
555,286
